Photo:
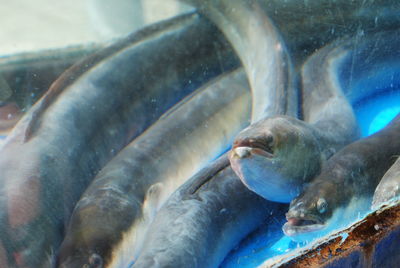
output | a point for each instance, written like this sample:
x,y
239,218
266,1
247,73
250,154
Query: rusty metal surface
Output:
x,y
371,242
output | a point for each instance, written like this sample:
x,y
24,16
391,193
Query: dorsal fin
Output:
x,y
76,70
207,173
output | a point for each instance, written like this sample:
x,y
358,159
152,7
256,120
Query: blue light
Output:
x,y
373,113
376,112
382,119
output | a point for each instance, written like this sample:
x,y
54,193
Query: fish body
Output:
x,y
25,77
262,151
261,50
130,188
87,116
208,215
204,219
368,66
388,188
351,174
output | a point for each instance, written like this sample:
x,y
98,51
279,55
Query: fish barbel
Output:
x,y
92,111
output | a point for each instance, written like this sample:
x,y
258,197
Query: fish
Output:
x,y
261,153
388,188
264,32
113,214
204,219
25,77
369,66
262,53
90,112
208,215
350,175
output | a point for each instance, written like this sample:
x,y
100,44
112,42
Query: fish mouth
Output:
x,y
295,226
253,147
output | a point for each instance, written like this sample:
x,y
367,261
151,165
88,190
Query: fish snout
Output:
x,y
240,152
295,213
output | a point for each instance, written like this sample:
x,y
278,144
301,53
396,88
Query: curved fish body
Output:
x,y
25,77
207,216
351,175
204,219
261,51
127,192
87,116
388,188
277,156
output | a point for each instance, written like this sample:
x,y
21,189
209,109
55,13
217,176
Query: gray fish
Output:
x,y
87,116
388,188
250,26
130,188
25,77
262,152
204,219
369,66
207,216
351,175
261,51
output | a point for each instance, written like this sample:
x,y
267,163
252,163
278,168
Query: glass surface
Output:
x,y
115,117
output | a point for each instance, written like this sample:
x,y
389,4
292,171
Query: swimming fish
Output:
x,y
92,111
369,65
351,174
134,184
261,51
208,215
204,219
278,155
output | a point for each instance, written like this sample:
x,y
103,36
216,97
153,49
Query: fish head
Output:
x,y
310,212
276,156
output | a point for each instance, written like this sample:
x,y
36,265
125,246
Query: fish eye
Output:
x,y
322,205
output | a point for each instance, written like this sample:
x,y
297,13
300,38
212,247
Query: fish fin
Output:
x,y
207,173
56,88
152,201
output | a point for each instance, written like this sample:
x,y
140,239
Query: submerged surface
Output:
x,y
373,113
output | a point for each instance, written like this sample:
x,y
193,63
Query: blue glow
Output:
x,y
376,112
382,119
373,113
